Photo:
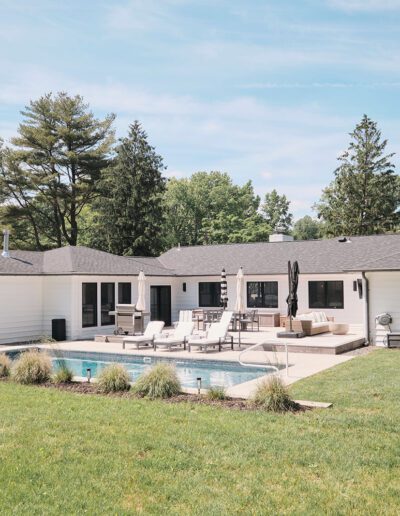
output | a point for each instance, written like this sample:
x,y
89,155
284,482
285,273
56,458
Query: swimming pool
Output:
x,y
212,373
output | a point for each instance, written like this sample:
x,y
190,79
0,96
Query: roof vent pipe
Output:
x,y
5,253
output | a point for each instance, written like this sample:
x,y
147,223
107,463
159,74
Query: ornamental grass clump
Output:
x,y
113,378
272,394
216,393
161,381
63,375
32,367
5,365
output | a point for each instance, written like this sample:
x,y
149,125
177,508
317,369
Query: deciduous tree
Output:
x,y
276,211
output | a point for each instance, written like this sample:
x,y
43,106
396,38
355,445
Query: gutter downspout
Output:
x,y
366,309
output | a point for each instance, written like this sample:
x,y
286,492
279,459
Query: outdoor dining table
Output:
x,y
238,320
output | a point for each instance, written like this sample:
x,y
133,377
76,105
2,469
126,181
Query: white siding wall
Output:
x,y
27,304
384,296
21,316
77,332
353,311
57,301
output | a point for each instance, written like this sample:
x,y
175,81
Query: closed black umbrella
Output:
x,y
291,300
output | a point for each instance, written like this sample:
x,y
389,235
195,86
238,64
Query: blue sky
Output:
x,y
264,90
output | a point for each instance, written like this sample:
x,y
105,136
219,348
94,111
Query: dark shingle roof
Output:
x,y
381,252
314,256
79,260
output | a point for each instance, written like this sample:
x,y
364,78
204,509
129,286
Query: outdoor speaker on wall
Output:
x,y
184,287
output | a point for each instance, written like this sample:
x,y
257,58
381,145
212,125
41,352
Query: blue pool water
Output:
x,y
212,373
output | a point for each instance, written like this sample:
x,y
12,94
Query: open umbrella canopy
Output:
x,y
224,289
141,302
239,304
292,301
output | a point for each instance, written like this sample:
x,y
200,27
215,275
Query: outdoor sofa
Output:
x,y
311,323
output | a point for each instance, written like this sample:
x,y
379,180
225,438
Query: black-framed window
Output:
x,y
262,294
325,294
107,303
89,304
124,293
210,293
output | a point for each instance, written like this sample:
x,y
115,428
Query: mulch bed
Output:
x,y
91,389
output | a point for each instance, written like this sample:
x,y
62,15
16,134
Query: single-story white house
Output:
x,y
353,279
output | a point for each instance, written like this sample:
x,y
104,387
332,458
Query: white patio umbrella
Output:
x,y
141,302
239,304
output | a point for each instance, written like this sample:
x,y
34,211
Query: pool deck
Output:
x,y
301,365
324,343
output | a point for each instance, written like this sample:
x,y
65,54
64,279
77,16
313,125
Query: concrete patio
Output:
x,y
324,343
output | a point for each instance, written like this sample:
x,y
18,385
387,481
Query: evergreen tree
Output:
x,y
276,211
130,211
363,198
49,174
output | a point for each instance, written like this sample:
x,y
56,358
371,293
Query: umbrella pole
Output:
x,y
240,323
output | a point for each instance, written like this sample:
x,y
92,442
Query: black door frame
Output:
x,y
160,308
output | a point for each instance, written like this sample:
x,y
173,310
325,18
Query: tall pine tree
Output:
x,y
129,211
49,175
364,198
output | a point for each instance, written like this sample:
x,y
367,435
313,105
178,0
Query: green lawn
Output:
x,y
64,453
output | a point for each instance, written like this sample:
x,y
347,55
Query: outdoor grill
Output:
x,y
127,320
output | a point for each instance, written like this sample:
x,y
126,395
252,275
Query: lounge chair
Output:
x,y
184,316
226,318
178,337
216,335
153,329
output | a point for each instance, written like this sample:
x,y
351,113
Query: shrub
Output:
x,y
45,339
161,381
216,393
272,394
113,378
63,375
32,367
5,365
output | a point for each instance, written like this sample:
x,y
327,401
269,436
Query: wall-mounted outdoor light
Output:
x,y
184,287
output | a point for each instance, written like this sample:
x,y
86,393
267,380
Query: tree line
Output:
x,y
64,180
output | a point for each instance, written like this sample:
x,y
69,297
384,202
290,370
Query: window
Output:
x,y
107,303
262,294
210,294
124,293
325,294
89,304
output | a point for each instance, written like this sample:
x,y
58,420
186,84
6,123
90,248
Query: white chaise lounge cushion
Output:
x,y
152,329
215,334
226,318
180,333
